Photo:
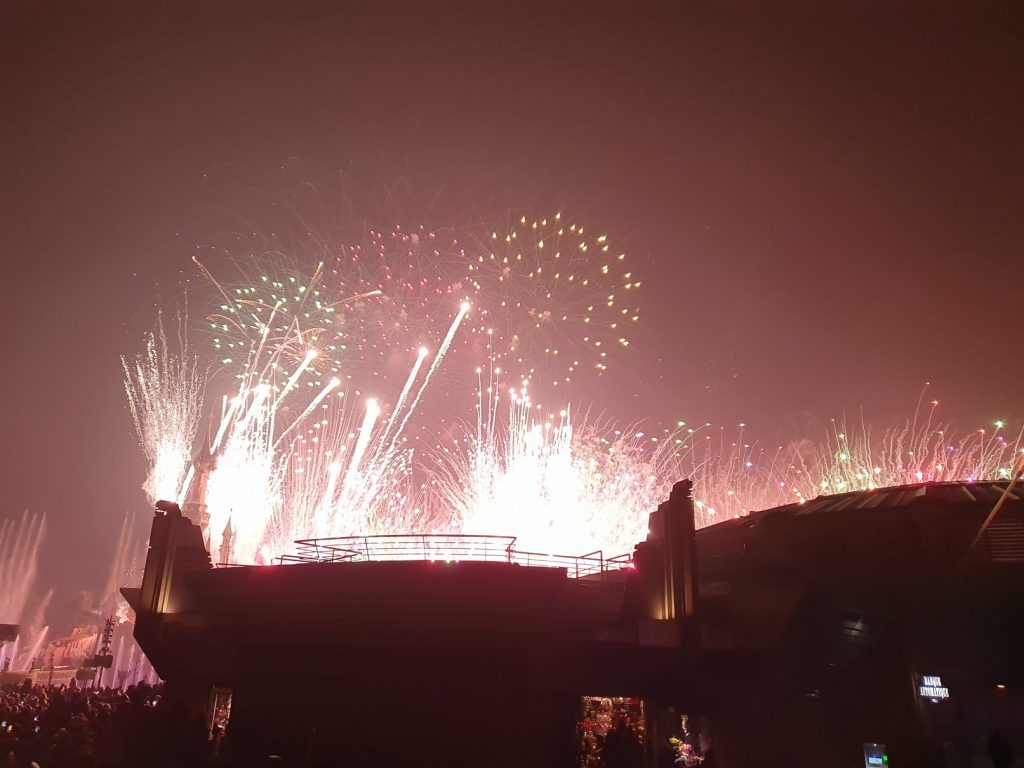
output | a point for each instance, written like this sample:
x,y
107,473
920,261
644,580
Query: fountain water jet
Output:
x,y
19,562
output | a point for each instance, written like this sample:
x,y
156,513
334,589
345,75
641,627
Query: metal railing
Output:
x,y
447,548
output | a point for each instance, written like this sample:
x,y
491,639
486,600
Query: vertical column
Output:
x,y
157,577
679,553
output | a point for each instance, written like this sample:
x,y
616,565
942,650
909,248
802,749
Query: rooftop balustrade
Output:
x,y
447,548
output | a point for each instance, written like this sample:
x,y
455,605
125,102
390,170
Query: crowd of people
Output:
x,y
611,733
76,728
611,739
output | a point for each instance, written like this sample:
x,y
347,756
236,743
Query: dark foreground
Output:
x,y
92,729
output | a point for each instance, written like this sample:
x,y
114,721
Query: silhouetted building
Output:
x,y
860,618
846,630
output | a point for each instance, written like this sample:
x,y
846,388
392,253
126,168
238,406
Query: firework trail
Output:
x,y
557,487
570,489
914,453
289,466
19,562
329,479
366,300
296,462
275,305
165,393
307,322
413,278
290,461
737,475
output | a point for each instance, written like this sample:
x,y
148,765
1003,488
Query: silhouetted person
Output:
x,y
1000,750
622,749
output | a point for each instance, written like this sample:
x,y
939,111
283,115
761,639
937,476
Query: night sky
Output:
x,y
825,205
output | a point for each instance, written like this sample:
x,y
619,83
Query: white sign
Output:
x,y
875,756
932,688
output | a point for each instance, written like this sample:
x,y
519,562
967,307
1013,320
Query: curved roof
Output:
x,y
961,492
934,522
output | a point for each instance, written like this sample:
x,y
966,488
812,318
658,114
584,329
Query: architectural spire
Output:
x,y
194,507
227,544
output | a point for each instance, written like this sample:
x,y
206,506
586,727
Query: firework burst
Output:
x,y
164,391
289,462
306,323
737,475
566,488
551,300
554,299
557,486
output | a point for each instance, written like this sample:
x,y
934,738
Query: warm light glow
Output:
x,y
292,463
